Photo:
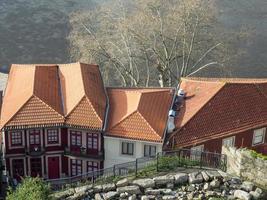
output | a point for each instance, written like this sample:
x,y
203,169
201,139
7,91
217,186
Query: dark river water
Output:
x,y
35,31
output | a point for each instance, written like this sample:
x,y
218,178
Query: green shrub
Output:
x,y
258,155
30,189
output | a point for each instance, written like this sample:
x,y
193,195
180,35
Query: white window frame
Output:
x,y
150,147
256,131
232,138
126,154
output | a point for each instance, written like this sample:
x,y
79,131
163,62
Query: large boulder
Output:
x,y
83,188
150,191
164,180
77,196
213,174
247,186
169,197
98,196
181,178
108,187
132,189
145,183
110,195
205,176
64,194
215,184
243,195
97,188
195,178
122,182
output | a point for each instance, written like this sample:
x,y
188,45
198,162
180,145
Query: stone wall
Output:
x,y
241,163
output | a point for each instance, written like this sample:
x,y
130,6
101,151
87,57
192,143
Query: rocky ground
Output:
x,y
198,185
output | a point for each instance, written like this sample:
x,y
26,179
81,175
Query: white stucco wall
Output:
x,y
113,150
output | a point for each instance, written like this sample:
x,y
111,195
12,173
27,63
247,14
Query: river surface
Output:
x,y
35,31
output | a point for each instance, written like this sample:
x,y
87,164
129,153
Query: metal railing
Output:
x,y
165,161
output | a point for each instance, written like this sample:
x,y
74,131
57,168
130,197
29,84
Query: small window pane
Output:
x,y
258,136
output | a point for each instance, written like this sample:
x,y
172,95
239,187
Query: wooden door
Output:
x,y
53,167
36,167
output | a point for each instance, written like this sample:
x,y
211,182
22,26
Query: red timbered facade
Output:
x,y
54,128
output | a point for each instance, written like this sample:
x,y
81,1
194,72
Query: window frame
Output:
x,y
12,139
127,153
33,134
254,136
55,136
74,162
76,134
91,165
228,138
150,147
94,137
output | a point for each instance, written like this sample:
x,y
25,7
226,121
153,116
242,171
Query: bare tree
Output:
x,y
151,42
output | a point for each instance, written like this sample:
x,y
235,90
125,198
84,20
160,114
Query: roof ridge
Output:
x,y
93,108
212,97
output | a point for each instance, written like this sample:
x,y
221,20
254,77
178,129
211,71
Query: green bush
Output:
x,y
30,189
258,155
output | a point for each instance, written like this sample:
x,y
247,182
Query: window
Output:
x,y
34,137
229,142
76,167
76,138
52,136
258,136
150,151
196,152
92,141
92,166
127,148
16,138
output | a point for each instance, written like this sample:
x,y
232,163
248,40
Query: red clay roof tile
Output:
x,y
222,107
139,114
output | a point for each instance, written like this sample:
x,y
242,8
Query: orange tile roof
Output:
x,y
215,108
53,94
139,114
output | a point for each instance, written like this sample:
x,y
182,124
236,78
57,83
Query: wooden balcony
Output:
x,y
36,151
83,153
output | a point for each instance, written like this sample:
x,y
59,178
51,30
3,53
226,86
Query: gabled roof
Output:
x,y
219,107
139,114
42,95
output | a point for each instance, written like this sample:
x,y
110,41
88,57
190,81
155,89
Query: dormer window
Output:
x,y
258,136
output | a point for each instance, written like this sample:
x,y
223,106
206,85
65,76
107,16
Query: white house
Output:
x,y
137,123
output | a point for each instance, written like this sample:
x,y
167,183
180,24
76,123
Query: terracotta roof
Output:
x,y
215,108
139,114
84,95
53,94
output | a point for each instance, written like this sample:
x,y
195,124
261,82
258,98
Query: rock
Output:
x,y
255,195
190,188
97,188
110,195
190,196
133,197
236,180
231,197
243,195
166,191
83,188
201,196
124,195
168,197
206,186
77,196
210,194
247,186
145,183
170,185
108,187
205,176
132,189
122,182
213,174
98,197
147,197
215,184
150,191
64,194
195,177
180,178
163,180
